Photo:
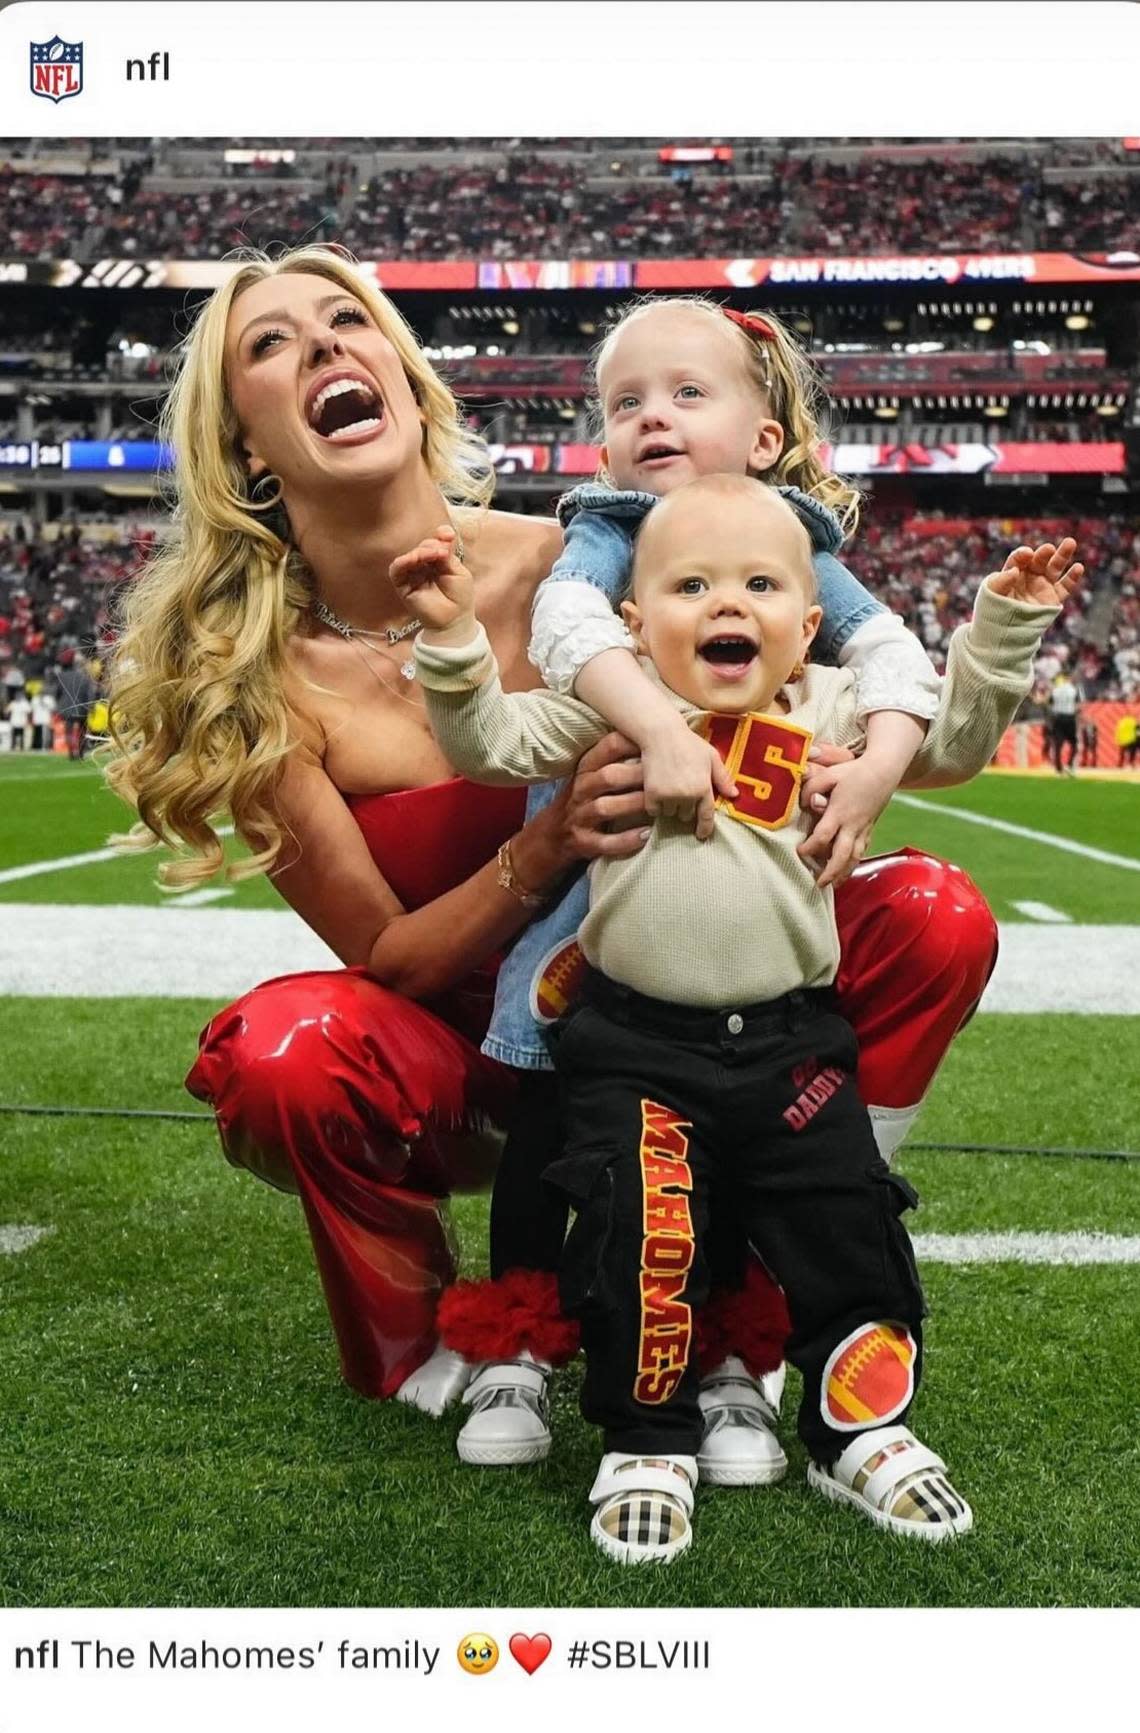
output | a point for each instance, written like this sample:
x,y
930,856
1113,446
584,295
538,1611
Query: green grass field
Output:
x,y
176,1432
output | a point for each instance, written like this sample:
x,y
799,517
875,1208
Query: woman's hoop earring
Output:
x,y
264,500
261,495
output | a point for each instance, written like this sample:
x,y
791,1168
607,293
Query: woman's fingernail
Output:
x,y
645,835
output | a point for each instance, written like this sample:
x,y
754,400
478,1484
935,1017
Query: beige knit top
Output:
x,y
737,919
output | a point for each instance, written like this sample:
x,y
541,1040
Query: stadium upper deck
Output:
x,y
581,198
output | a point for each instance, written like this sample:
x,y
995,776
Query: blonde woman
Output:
x,y
264,670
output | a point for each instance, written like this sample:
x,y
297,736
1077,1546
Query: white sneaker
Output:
x,y
642,1507
739,1447
508,1420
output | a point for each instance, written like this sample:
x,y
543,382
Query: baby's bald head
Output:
x,y
751,512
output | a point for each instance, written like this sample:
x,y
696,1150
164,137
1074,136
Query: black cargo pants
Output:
x,y
662,1105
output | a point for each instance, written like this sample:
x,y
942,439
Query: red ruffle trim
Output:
x,y
751,1322
496,1320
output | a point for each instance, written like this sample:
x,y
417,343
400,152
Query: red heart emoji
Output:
x,y
530,1652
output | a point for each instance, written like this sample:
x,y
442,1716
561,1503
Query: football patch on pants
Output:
x,y
557,981
869,1377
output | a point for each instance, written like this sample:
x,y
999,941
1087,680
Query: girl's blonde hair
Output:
x,y
795,393
199,721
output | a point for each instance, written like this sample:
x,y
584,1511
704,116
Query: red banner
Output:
x,y
968,270
1022,458
430,274
973,270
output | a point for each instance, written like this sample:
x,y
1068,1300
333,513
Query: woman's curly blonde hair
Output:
x,y
199,721
794,392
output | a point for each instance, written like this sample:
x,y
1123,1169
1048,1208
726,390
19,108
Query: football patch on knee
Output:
x,y
557,981
869,1377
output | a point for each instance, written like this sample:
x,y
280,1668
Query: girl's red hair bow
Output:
x,y
753,323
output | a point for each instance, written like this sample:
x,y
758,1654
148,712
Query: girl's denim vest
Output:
x,y
600,525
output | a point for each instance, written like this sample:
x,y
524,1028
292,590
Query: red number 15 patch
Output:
x,y
766,759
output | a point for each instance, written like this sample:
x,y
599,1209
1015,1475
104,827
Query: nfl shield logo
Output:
x,y
56,69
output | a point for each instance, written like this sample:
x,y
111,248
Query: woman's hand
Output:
x,y
854,795
600,811
817,783
437,586
1041,576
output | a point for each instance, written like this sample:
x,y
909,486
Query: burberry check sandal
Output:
x,y
739,1447
643,1507
507,1425
896,1481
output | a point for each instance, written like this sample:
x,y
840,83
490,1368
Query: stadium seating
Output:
x,y
572,198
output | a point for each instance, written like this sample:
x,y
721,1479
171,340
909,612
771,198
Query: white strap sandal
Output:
x,y
739,1447
898,1482
643,1507
508,1420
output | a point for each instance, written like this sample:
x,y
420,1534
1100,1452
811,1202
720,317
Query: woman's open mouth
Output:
x,y
346,411
730,658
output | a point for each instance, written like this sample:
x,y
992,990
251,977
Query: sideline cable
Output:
x,y
927,1148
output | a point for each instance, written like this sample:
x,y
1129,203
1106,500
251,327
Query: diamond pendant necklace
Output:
x,y
321,611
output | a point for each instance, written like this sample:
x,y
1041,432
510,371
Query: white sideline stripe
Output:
x,y
1043,836
198,899
1042,912
1027,1248
1089,970
15,1239
104,950
32,869
1075,1248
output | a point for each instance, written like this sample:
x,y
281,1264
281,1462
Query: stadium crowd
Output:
x,y
927,569
55,598
56,595
559,204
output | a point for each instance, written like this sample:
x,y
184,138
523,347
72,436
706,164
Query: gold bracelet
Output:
x,y
509,880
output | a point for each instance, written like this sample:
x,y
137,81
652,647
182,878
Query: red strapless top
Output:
x,y
426,841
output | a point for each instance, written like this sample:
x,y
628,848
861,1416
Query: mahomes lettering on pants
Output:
x,y
667,1250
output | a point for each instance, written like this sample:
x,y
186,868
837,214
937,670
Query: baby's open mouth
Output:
x,y
655,451
345,408
729,652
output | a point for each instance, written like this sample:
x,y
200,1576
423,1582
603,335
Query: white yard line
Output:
x,y
198,899
1075,1247
1043,912
64,862
15,1238
104,950
1047,837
